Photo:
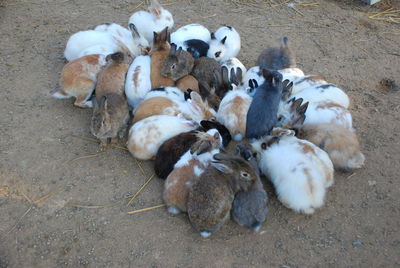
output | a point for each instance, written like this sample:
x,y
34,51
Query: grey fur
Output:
x,y
277,58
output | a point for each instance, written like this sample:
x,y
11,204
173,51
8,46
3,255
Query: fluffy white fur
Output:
x,y
147,135
300,179
327,92
135,92
252,73
291,73
319,113
234,63
300,84
154,21
229,49
173,93
190,31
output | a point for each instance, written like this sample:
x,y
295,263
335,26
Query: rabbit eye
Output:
x,y
280,118
245,175
217,54
173,66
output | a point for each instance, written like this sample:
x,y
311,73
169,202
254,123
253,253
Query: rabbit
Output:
x,y
277,58
325,92
188,82
252,80
177,64
154,21
136,43
190,31
300,171
341,144
328,112
262,114
188,169
138,81
159,53
78,79
197,48
224,44
210,200
291,73
304,82
100,42
111,111
249,207
193,109
207,71
232,111
172,149
147,135
291,114
236,65
172,93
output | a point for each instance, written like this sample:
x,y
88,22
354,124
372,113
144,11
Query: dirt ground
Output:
x,y
46,172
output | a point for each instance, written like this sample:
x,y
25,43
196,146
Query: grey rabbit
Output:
x,y
262,114
249,207
210,200
178,63
277,58
111,110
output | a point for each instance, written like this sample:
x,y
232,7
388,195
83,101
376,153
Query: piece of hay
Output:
x,y
85,157
47,196
140,190
145,209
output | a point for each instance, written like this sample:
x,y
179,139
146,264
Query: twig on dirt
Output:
x,y
359,47
136,7
97,206
47,196
25,196
140,167
266,26
97,141
18,4
85,157
351,176
298,11
140,190
145,209
206,17
389,15
19,220
309,4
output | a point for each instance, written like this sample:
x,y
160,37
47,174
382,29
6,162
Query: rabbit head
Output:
x,y
178,63
292,114
161,41
141,42
275,136
223,131
242,173
200,107
206,142
217,48
109,115
160,14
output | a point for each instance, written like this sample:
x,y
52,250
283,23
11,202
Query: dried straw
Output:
x,y
140,190
47,196
85,157
145,209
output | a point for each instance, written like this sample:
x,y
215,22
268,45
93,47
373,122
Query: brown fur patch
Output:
x,y
136,76
310,185
155,106
111,79
327,105
314,78
186,82
307,148
157,62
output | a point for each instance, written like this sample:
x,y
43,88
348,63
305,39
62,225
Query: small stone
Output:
x,y
356,243
371,183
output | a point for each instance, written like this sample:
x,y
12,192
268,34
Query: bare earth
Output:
x,y
45,171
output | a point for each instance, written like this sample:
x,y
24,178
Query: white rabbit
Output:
x,y
154,21
291,73
190,31
78,43
131,38
304,82
299,170
325,92
138,83
147,135
224,44
233,64
232,111
328,112
173,93
252,80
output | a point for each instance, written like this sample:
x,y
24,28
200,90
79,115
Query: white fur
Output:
x,y
285,163
154,21
147,135
299,84
228,50
172,93
205,234
129,39
190,31
230,115
173,210
252,73
234,63
198,171
338,115
291,74
317,94
136,93
184,160
89,42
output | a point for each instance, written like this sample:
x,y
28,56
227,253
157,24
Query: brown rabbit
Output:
x,y
188,82
78,79
111,111
277,58
159,53
210,201
178,64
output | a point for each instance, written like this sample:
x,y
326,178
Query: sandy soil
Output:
x,y
42,177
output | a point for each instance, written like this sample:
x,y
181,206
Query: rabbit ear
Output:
x,y
267,74
155,8
201,147
222,167
303,108
285,42
225,75
239,75
172,50
134,30
223,40
213,36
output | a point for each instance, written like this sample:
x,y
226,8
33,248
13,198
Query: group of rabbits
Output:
x,y
190,96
